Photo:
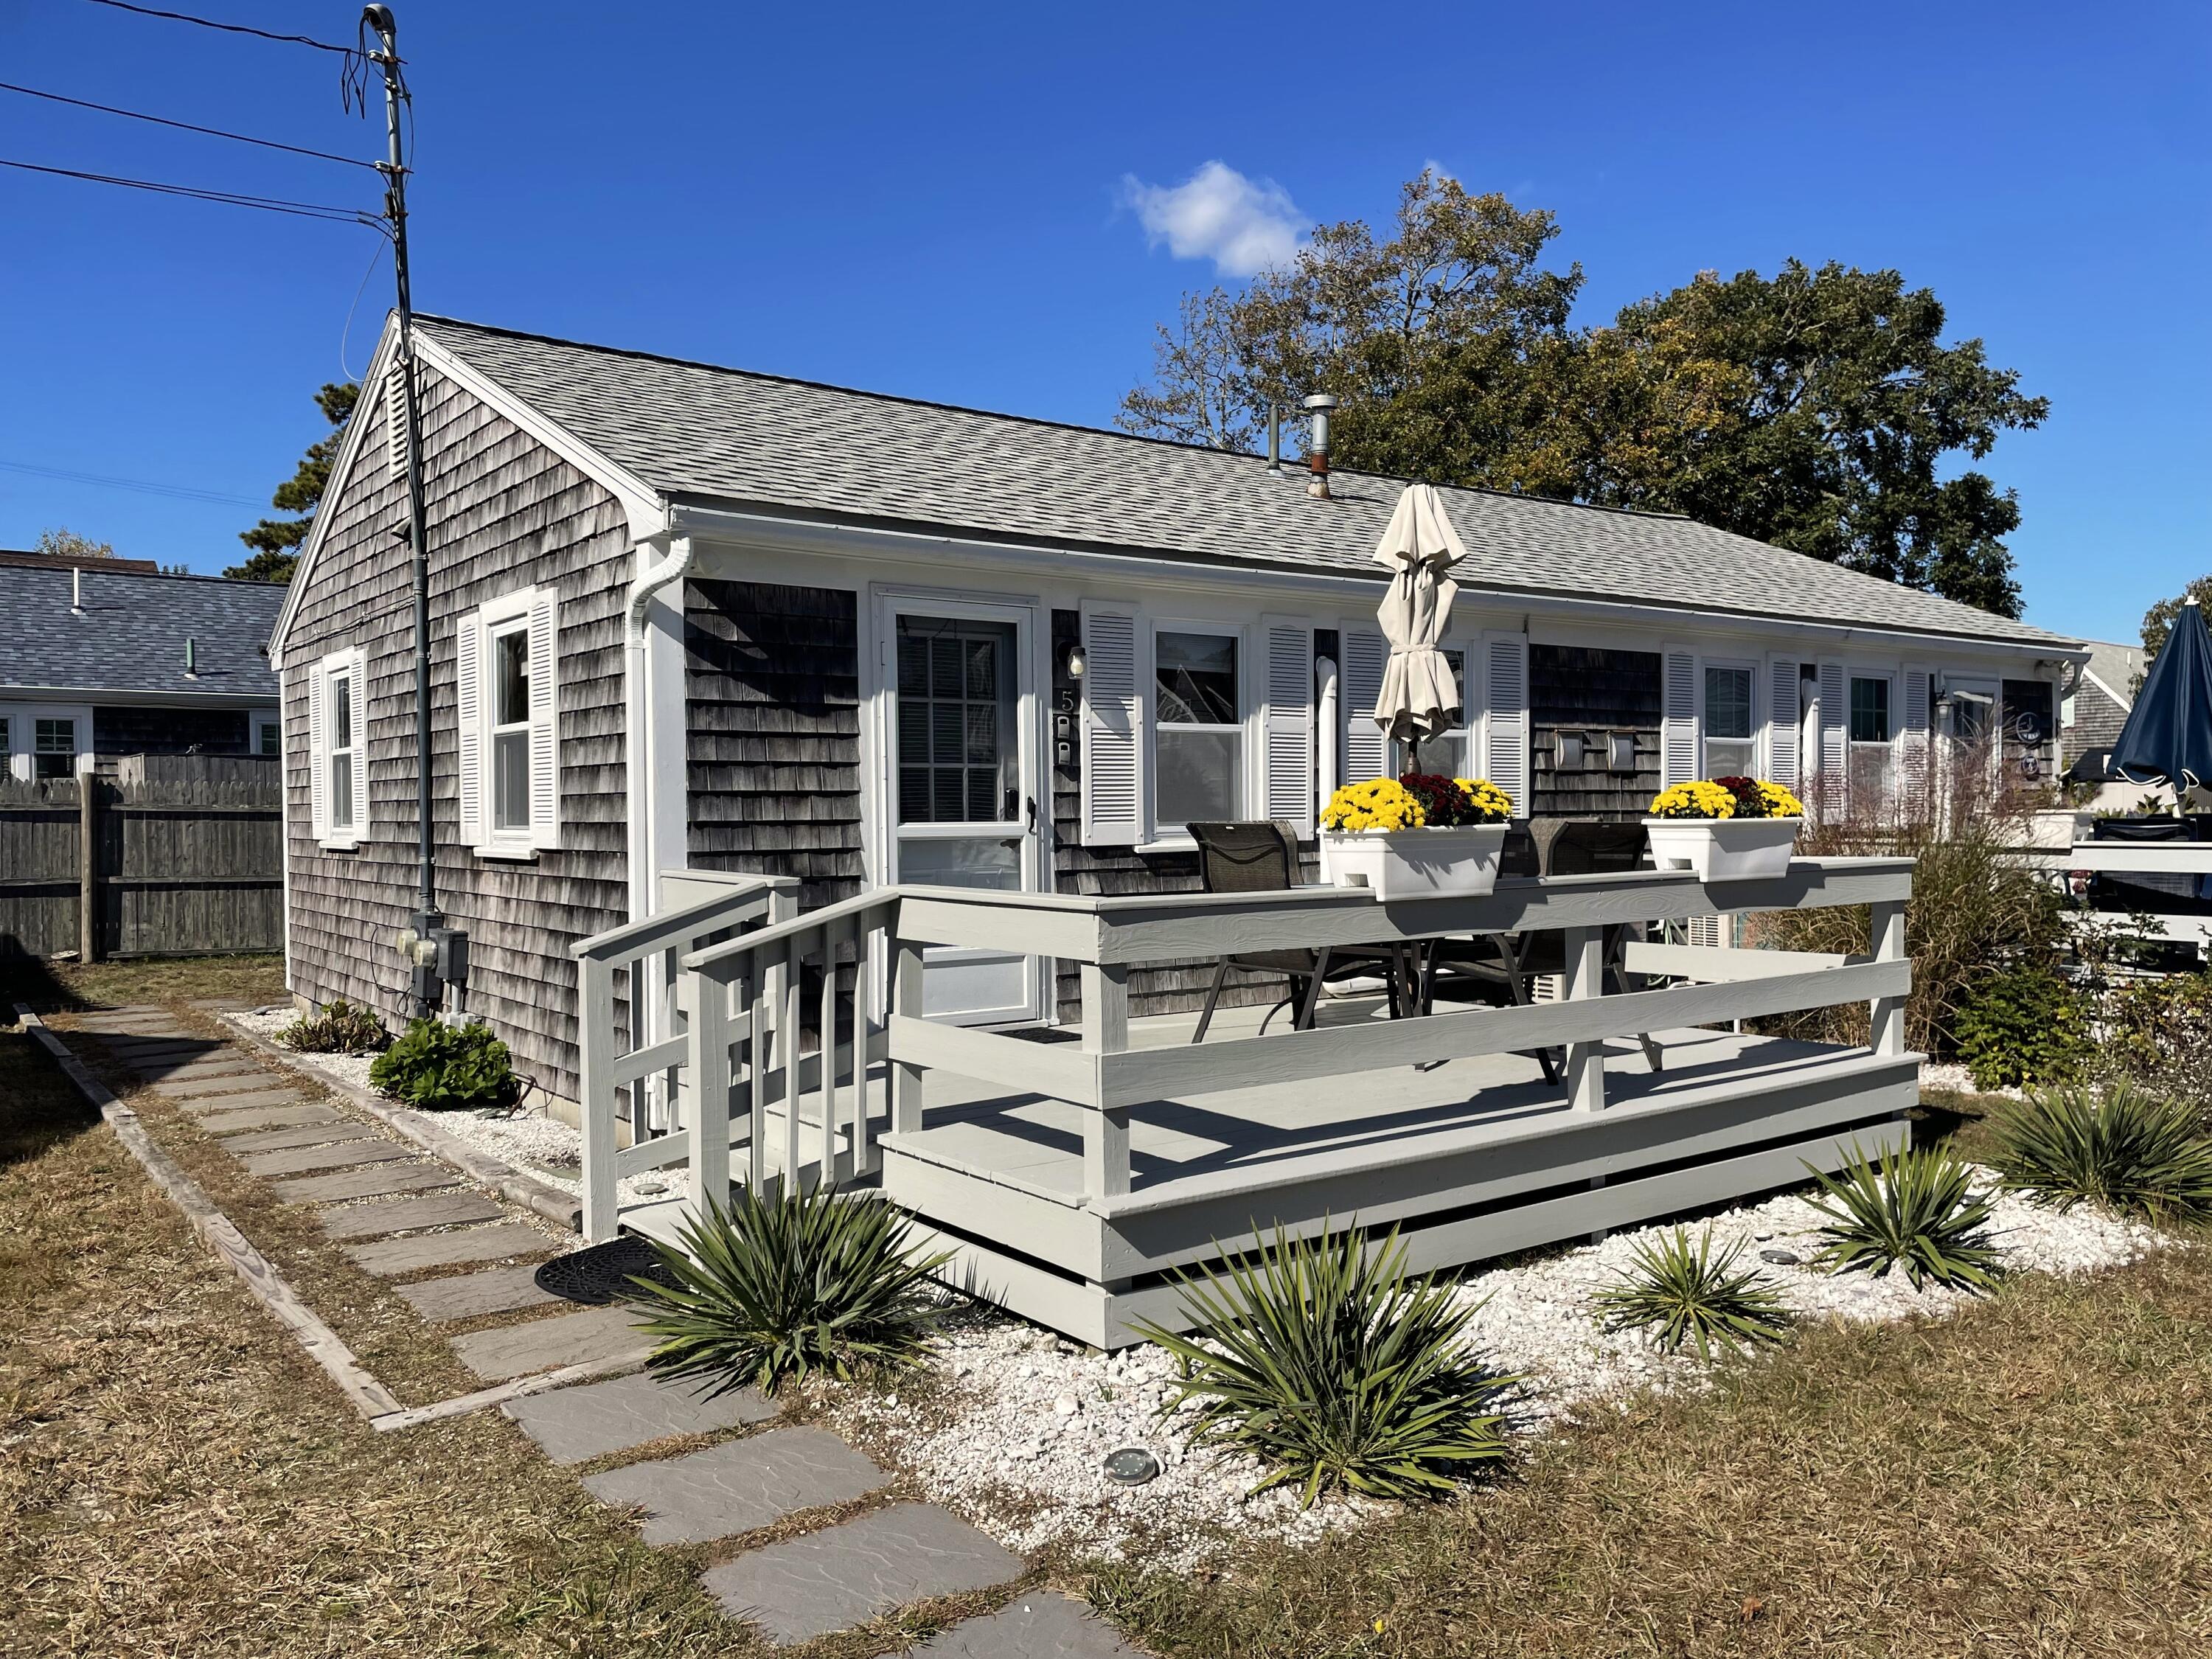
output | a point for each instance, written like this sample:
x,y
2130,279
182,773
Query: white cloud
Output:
x,y
1244,225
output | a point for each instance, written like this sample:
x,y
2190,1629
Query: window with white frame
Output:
x,y
267,733
1198,728
338,749
1446,753
508,706
1731,737
54,748
343,704
1872,728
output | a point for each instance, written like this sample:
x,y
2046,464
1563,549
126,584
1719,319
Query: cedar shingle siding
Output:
x,y
772,696
505,512
1578,689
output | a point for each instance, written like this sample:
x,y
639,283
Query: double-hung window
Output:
x,y
1731,737
1871,731
338,749
1198,729
508,702
268,734
54,748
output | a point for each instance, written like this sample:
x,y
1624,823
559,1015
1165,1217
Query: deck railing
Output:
x,y
855,970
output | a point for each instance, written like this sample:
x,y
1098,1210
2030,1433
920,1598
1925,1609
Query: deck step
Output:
x,y
740,1486
572,1426
387,1258
845,1575
471,1296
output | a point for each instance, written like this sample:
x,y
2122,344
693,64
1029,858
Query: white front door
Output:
x,y
961,775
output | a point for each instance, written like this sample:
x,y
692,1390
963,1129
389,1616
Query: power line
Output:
x,y
186,126
230,198
227,28
180,492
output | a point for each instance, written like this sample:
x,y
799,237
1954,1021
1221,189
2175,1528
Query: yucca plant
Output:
x,y
341,1028
1322,1359
2126,1147
1678,1291
1920,1213
772,1288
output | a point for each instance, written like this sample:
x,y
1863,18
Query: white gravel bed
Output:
x,y
1037,1415
544,1147
1957,1079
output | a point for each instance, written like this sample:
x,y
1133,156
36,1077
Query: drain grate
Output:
x,y
601,1274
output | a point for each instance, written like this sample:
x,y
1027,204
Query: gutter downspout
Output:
x,y
645,743
1325,760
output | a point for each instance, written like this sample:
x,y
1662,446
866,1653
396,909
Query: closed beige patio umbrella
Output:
x,y
1420,698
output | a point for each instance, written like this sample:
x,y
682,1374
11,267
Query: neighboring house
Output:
x,y
109,656
683,617
2090,719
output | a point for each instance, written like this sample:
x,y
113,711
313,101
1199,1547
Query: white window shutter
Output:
x,y
1366,750
1782,723
1678,720
1113,730
357,664
318,809
1505,716
546,718
1287,753
1835,732
468,703
1913,750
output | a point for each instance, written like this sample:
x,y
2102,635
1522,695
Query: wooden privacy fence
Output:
x,y
171,855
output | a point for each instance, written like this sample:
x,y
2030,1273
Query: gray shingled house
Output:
x,y
685,617
97,660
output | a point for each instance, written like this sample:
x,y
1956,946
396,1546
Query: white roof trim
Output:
x,y
2098,680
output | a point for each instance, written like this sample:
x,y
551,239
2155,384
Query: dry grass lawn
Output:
x,y
2032,1479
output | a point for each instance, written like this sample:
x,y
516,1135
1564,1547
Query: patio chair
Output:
x,y
1262,857
1486,964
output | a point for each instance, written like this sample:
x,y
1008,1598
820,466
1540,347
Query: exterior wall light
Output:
x,y
1074,662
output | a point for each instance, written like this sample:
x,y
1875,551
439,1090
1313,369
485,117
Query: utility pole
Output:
x,y
429,920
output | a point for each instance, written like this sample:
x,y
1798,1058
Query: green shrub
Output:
x,y
2025,1026
774,1288
341,1028
1921,1213
1677,1292
2157,1033
2122,1146
1321,1358
438,1068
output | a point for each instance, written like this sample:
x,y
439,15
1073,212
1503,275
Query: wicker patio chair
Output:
x,y
1262,857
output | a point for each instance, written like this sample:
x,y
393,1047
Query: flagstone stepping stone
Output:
x,y
739,1485
214,1104
297,1160
571,1425
574,1339
271,1117
198,1071
471,1296
333,1131
839,1576
376,1220
142,1022
387,1258
146,1050
184,1058
374,1181
194,1087
1040,1626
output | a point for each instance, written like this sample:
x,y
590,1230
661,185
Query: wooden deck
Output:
x,y
1073,1173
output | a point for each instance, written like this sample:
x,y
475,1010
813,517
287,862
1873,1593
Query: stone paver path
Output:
x,y
407,1218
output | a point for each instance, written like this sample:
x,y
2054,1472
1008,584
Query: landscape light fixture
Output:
x,y
1074,661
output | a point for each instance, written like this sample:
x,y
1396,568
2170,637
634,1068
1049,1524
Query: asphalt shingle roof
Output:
x,y
691,431
131,635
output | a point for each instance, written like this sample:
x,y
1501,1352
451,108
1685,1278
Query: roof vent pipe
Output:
x,y
1318,406
1274,436
76,590
192,658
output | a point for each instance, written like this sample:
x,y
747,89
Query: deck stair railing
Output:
x,y
633,1046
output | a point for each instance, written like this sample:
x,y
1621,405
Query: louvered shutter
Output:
x,y
1914,754
544,719
1366,750
319,811
357,666
1287,759
1678,721
1113,730
468,704
1782,723
1835,734
1505,716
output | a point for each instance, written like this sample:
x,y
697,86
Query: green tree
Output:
x,y
1813,409
2159,620
62,543
276,542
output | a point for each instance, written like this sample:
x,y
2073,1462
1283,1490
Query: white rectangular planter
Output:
x,y
1724,850
1406,864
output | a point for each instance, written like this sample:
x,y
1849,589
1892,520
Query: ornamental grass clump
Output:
x,y
437,1068
770,1289
340,1027
1676,1292
2124,1147
1323,1360
1920,1213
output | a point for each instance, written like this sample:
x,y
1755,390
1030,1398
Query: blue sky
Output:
x,y
936,201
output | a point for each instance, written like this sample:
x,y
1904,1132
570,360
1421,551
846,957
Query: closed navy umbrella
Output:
x,y
2168,737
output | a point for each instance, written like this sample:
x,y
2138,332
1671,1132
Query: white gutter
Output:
x,y
642,754
1325,760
